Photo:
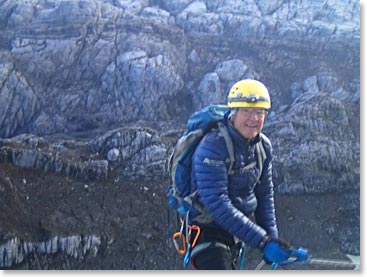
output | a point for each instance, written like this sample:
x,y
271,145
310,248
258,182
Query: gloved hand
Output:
x,y
276,251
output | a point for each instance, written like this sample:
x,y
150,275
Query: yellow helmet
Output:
x,y
249,94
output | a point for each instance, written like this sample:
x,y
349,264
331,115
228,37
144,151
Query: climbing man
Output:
x,y
239,201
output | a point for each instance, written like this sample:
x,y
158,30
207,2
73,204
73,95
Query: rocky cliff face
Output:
x,y
95,93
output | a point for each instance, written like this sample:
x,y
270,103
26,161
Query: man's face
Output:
x,y
249,121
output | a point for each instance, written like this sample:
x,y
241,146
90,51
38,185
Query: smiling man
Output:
x,y
239,199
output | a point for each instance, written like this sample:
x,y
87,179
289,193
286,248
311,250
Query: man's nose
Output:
x,y
254,114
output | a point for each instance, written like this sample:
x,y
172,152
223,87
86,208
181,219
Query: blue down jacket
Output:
x,y
231,200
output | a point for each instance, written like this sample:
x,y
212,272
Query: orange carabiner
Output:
x,y
197,229
180,244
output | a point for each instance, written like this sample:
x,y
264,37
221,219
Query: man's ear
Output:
x,y
231,113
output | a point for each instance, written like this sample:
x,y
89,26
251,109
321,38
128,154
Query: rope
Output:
x,y
260,265
324,262
334,263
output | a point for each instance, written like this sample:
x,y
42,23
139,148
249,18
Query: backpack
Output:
x,y
179,166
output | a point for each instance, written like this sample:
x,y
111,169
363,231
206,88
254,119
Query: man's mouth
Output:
x,y
251,126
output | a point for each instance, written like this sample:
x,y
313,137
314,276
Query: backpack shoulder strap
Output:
x,y
229,144
261,155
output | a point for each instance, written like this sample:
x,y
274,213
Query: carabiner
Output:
x,y
197,229
179,241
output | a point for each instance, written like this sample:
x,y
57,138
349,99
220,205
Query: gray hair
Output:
x,y
232,112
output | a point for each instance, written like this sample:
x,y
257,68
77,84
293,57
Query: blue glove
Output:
x,y
276,251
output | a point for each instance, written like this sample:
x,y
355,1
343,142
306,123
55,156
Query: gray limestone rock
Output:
x,y
79,79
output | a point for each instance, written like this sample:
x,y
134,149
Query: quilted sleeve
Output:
x,y
265,212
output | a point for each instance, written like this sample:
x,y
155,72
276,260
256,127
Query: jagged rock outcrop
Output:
x,y
18,102
142,154
15,250
139,153
317,134
72,160
100,90
119,61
